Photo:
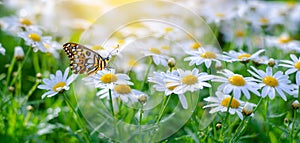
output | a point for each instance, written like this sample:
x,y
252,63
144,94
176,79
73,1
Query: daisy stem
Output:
x,y
237,131
293,125
163,108
11,66
20,78
226,116
259,102
36,62
79,117
141,117
146,75
211,88
266,116
111,103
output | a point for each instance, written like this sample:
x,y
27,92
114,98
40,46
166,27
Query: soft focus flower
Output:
x,y
237,84
271,83
57,83
2,49
241,56
221,103
248,109
35,39
283,42
158,54
205,55
107,78
294,67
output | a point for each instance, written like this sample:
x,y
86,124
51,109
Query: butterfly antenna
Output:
x,y
115,49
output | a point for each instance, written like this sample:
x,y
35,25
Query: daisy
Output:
x,y
161,85
107,79
14,24
2,49
35,39
283,42
57,83
157,52
122,91
233,56
237,84
221,103
294,66
203,56
271,83
187,81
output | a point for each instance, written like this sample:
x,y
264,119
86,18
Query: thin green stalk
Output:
x,y
11,66
79,118
226,116
36,64
267,116
111,104
147,72
20,78
162,110
293,125
237,131
242,131
258,104
140,122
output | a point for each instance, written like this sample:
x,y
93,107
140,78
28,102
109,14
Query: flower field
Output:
x,y
149,71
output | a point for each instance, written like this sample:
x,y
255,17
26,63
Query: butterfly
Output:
x,y
84,60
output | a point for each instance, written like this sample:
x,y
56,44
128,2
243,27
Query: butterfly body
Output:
x,y
84,60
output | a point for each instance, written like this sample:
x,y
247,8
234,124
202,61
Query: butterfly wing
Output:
x,y
83,60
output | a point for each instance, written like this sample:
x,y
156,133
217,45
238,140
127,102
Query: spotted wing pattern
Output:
x,y
84,60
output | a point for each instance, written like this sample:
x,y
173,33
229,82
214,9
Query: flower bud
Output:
x,y
29,108
171,62
295,104
11,89
247,109
142,99
286,120
219,125
39,76
271,62
19,53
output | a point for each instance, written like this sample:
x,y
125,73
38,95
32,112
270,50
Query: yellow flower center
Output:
x,y
263,20
121,41
208,55
165,47
221,15
270,81
97,47
240,34
35,37
155,51
47,46
196,45
132,63
242,56
234,103
237,80
58,85
122,89
297,65
168,29
189,79
25,21
284,39
108,78
171,87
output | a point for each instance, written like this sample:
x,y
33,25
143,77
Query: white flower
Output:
x,y
158,52
237,84
221,103
283,42
14,24
271,83
2,49
161,85
122,91
19,53
294,66
57,83
107,78
35,39
241,56
187,81
248,109
204,55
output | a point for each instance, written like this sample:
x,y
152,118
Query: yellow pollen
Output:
x,y
35,37
221,15
25,21
168,29
270,81
196,45
108,78
242,56
237,80
297,65
58,85
284,39
208,55
97,47
240,34
155,50
234,102
132,63
122,89
171,87
121,41
189,79
264,20
165,47
46,46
